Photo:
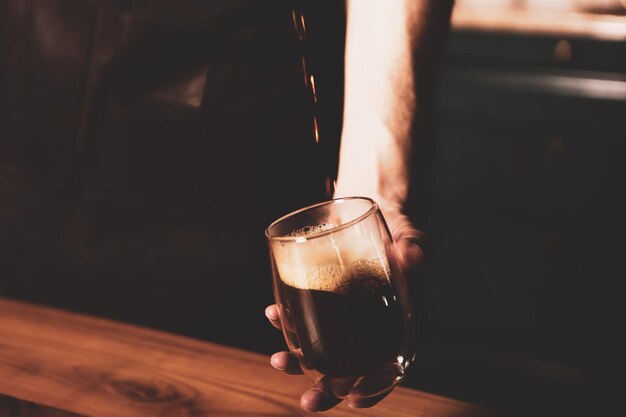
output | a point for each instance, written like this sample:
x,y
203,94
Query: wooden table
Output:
x,y
56,363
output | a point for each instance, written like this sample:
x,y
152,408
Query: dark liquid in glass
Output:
x,y
359,330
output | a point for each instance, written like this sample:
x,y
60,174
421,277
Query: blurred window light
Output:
x,y
585,85
606,6
599,19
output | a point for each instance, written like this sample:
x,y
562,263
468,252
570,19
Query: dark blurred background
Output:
x,y
145,145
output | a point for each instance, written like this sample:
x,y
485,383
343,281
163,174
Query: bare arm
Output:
x,y
391,51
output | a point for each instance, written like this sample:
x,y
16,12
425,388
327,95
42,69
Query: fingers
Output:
x,y
367,402
312,400
317,400
271,312
283,361
286,362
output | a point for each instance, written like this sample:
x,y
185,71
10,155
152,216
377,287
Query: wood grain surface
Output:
x,y
54,363
13,407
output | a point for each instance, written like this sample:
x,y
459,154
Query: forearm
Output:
x,y
385,57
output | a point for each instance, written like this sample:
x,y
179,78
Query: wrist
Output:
x,y
388,203
374,163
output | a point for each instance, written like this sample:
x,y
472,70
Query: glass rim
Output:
x,y
372,209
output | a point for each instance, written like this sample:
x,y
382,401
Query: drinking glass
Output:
x,y
342,299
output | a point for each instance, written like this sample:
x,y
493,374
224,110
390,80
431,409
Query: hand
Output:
x,y
410,244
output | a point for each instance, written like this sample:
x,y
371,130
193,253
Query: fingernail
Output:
x,y
355,404
269,313
307,407
416,242
274,364
426,246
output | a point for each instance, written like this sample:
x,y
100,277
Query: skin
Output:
x,y
392,49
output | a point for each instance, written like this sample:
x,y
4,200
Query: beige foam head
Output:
x,y
332,262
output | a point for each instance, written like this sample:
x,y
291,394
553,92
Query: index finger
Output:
x,y
271,312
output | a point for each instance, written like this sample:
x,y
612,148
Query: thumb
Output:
x,y
412,246
410,249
